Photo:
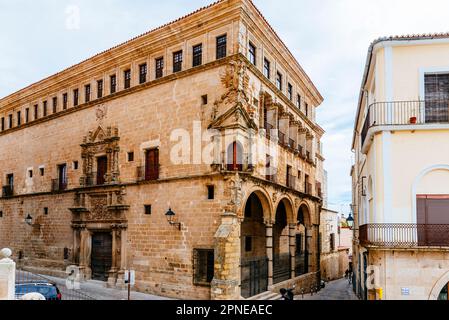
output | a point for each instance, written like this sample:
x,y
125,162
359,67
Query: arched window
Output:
x,y
235,157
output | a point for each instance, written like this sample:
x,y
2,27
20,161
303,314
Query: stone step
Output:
x,y
265,296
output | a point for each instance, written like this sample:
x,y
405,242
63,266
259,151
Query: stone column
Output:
x,y
123,256
7,275
269,237
85,252
292,242
113,272
225,285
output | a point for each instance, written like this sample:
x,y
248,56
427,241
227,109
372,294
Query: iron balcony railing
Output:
x,y
147,175
403,235
268,128
246,166
58,185
291,181
272,178
405,113
291,143
7,191
282,137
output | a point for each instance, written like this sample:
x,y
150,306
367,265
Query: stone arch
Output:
x,y
281,242
304,215
416,183
264,199
438,287
288,203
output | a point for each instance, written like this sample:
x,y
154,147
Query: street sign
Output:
x,y
130,277
405,291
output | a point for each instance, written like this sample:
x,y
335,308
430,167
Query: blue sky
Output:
x,y
329,38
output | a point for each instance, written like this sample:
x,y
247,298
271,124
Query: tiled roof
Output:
x,y
423,36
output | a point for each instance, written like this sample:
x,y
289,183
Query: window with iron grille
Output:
x,y
127,75
143,73
64,101
19,118
197,55
113,83
87,93
99,89
221,47
203,266
27,115
55,104
177,61
290,92
45,109
279,81
252,53
10,121
159,68
36,115
75,97
266,68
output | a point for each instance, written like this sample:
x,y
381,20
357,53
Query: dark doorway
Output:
x,y
102,168
302,243
101,258
152,164
281,249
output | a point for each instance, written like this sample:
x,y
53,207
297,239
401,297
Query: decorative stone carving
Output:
x,y
98,209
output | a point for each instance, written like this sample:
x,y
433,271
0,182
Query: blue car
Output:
x,y
49,290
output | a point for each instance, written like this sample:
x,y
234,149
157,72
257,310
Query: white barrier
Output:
x,y
7,275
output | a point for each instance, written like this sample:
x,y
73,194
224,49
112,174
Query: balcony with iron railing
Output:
x,y
404,235
291,181
268,128
401,113
58,185
7,191
272,178
147,175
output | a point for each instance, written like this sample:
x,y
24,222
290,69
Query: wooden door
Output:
x,y
101,257
102,168
152,164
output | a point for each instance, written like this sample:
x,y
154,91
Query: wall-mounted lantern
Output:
x,y
171,218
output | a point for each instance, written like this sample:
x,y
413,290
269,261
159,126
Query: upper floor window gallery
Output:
x,y
113,80
197,55
143,73
127,76
159,68
177,61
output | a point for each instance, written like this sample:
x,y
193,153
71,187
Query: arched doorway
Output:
x,y
444,293
302,242
281,246
254,260
235,157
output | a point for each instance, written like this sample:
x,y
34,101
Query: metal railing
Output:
x,y
403,235
268,128
291,181
272,178
281,267
291,143
58,185
405,113
144,175
7,191
281,136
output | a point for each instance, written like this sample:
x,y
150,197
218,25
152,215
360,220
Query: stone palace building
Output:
x,y
189,154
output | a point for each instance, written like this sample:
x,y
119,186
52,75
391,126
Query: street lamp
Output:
x,y
350,221
29,220
171,219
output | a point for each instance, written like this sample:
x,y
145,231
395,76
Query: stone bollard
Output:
x,y
7,275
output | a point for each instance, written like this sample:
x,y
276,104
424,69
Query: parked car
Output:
x,y
49,290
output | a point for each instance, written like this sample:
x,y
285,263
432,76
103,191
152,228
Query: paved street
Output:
x,y
335,290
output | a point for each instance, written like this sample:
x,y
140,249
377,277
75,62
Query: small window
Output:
x,y
19,118
248,244
210,192
252,53
1,214
10,121
130,156
127,75
203,265
99,89
204,99
46,211
55,104
147,209
30,173
159,68
36,110
266,68
3,124
221,47
27,115
42,171
75,165
75,97
279,81
113,84
290,92
87,93
298,102
45,109
64,101
197,55
143,73
307,109
177,61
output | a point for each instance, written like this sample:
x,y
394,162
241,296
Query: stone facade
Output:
x,y
72,197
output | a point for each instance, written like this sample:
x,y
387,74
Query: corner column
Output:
x,y
269,246
292,243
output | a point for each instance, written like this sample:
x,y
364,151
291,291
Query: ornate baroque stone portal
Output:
x,y
96,143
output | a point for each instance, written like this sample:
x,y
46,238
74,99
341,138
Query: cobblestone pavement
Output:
x,y
98,291
334,290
